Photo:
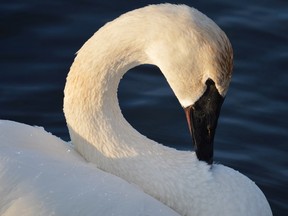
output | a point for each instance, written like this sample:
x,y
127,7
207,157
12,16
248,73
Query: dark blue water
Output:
x,y
37,46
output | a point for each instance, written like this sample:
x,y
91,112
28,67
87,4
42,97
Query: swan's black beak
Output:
x,y
202,119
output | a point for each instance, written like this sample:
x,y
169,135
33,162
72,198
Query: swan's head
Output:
x,y
196,58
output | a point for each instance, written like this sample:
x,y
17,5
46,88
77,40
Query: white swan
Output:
x,y
195,56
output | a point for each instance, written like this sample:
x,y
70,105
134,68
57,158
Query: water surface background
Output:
x,y
38,42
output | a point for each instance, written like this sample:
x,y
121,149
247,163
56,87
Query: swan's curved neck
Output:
x,y
96,125
184,56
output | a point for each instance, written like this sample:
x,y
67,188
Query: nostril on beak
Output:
x,y
209,130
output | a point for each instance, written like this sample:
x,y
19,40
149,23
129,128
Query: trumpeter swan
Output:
x,y
195,56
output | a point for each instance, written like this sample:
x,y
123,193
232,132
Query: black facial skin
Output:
x,y
202,120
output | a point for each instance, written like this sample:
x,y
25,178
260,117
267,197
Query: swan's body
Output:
x,y
42,175
189,49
